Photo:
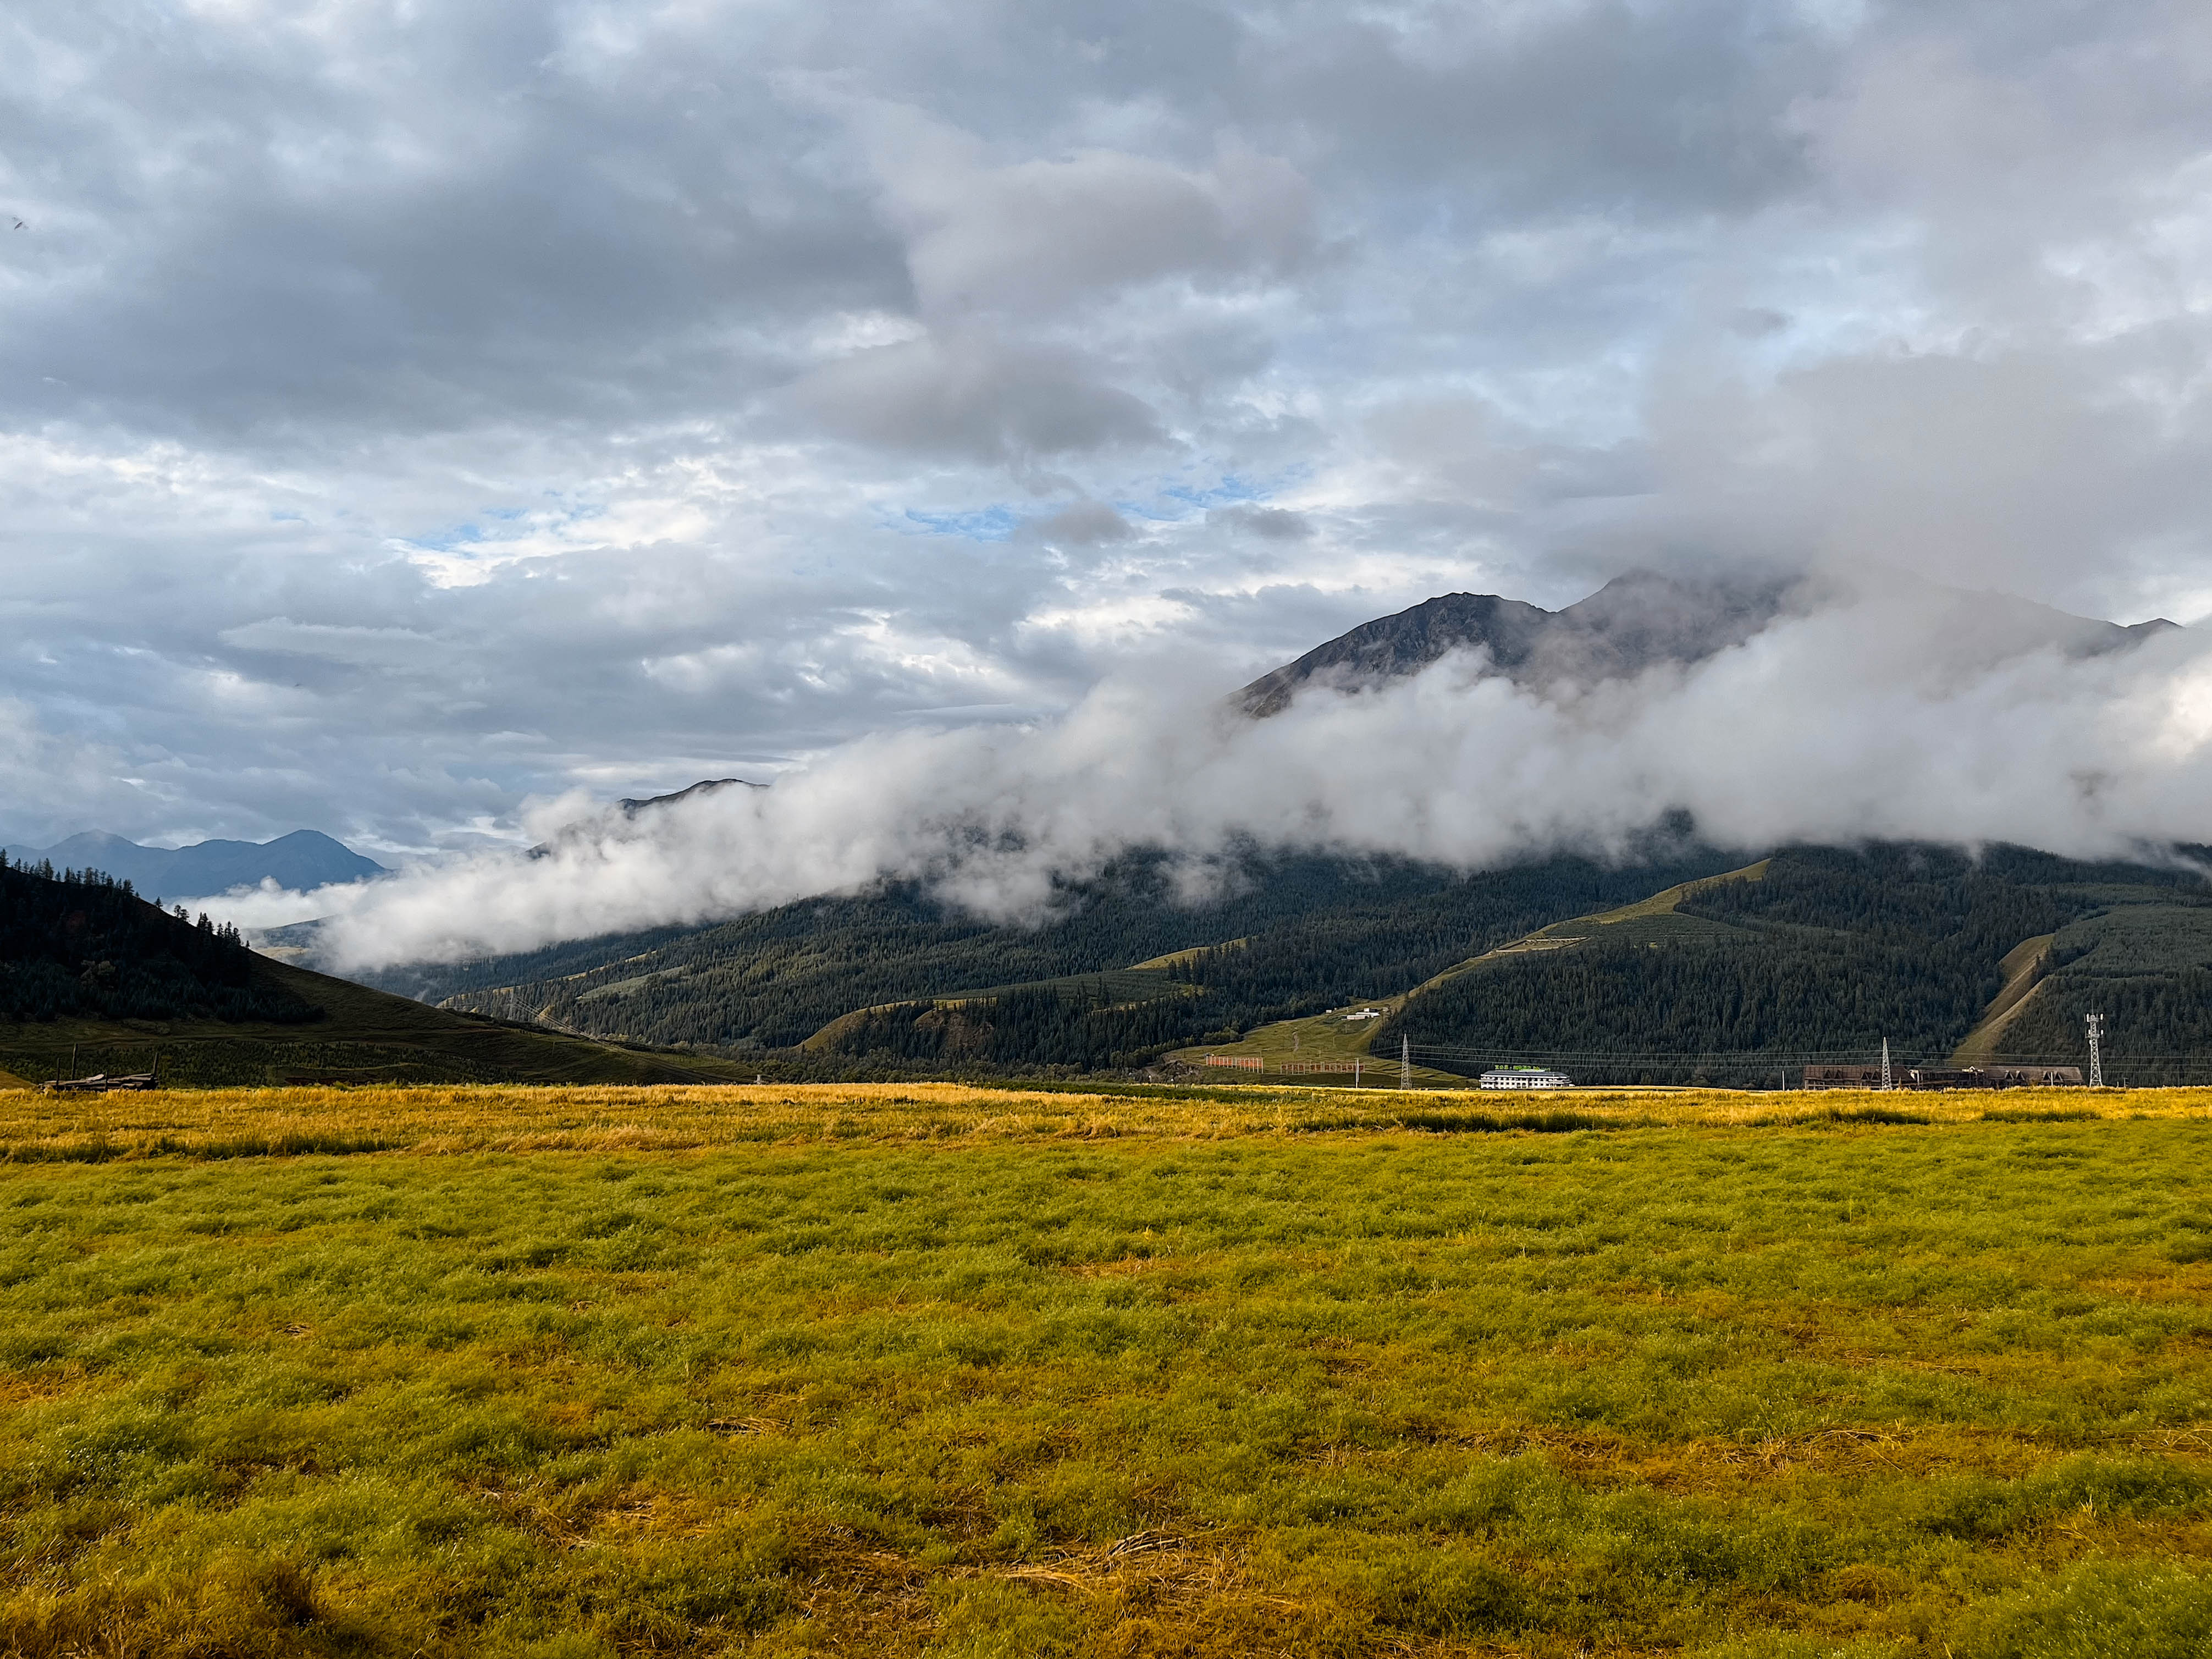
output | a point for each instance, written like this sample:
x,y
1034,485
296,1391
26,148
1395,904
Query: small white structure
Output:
x,y
1364,1013
1525,1076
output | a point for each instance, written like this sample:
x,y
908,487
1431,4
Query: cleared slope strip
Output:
x,y
2023,968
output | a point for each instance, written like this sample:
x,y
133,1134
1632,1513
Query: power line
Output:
x,y
1868,1056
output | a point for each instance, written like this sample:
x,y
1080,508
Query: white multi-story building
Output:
x,y
1525,1076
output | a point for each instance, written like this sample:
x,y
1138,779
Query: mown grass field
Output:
x,y
915,1370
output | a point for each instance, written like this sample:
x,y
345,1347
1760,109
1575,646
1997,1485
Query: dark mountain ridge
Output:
x,y
630,807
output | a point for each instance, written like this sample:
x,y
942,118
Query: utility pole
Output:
x,y
1404,1060
2096,1051
1886,1082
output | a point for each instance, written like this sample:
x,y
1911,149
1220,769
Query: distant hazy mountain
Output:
x,y
302,860
1636,621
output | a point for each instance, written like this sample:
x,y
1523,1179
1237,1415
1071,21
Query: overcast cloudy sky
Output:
x,y
409,409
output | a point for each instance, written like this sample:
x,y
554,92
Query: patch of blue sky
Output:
x,y
994,523
446,540
998,521
1178,501
1229,491
490,523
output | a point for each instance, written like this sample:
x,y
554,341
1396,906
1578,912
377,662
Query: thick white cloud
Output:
x,y
407,412
1039,234
974,399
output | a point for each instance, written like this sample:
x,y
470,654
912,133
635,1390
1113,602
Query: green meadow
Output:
x,y
1787,1385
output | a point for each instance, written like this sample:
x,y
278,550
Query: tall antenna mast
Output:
x,y
1886,1082
2096,1051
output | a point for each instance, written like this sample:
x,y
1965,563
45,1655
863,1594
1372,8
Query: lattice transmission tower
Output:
x,y
2096,1023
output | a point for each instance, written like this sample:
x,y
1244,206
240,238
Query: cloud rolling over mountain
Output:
x,y
1883,712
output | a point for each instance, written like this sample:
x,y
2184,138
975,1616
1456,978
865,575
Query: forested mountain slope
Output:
x,y
1628,971
82,944
1312,932
1831,951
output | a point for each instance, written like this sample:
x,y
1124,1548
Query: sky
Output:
x,y
419,421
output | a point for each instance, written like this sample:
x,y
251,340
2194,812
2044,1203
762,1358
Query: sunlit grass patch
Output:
x,y
444,1119
708,1371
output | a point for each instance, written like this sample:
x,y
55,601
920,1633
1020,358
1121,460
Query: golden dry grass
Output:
x,y
928,1369
445,1118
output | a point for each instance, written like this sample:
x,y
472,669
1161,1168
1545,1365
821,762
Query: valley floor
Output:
x,y
926,1369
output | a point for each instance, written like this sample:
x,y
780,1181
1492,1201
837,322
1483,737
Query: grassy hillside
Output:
x,y
1321,1047
923,1370
363,1035
95,978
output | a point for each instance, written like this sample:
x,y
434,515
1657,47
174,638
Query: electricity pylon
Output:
x,y
2096,1051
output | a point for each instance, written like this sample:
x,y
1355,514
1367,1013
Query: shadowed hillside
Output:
x,y
95,978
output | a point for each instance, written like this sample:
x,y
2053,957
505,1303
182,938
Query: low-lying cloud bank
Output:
x,y
1877,719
